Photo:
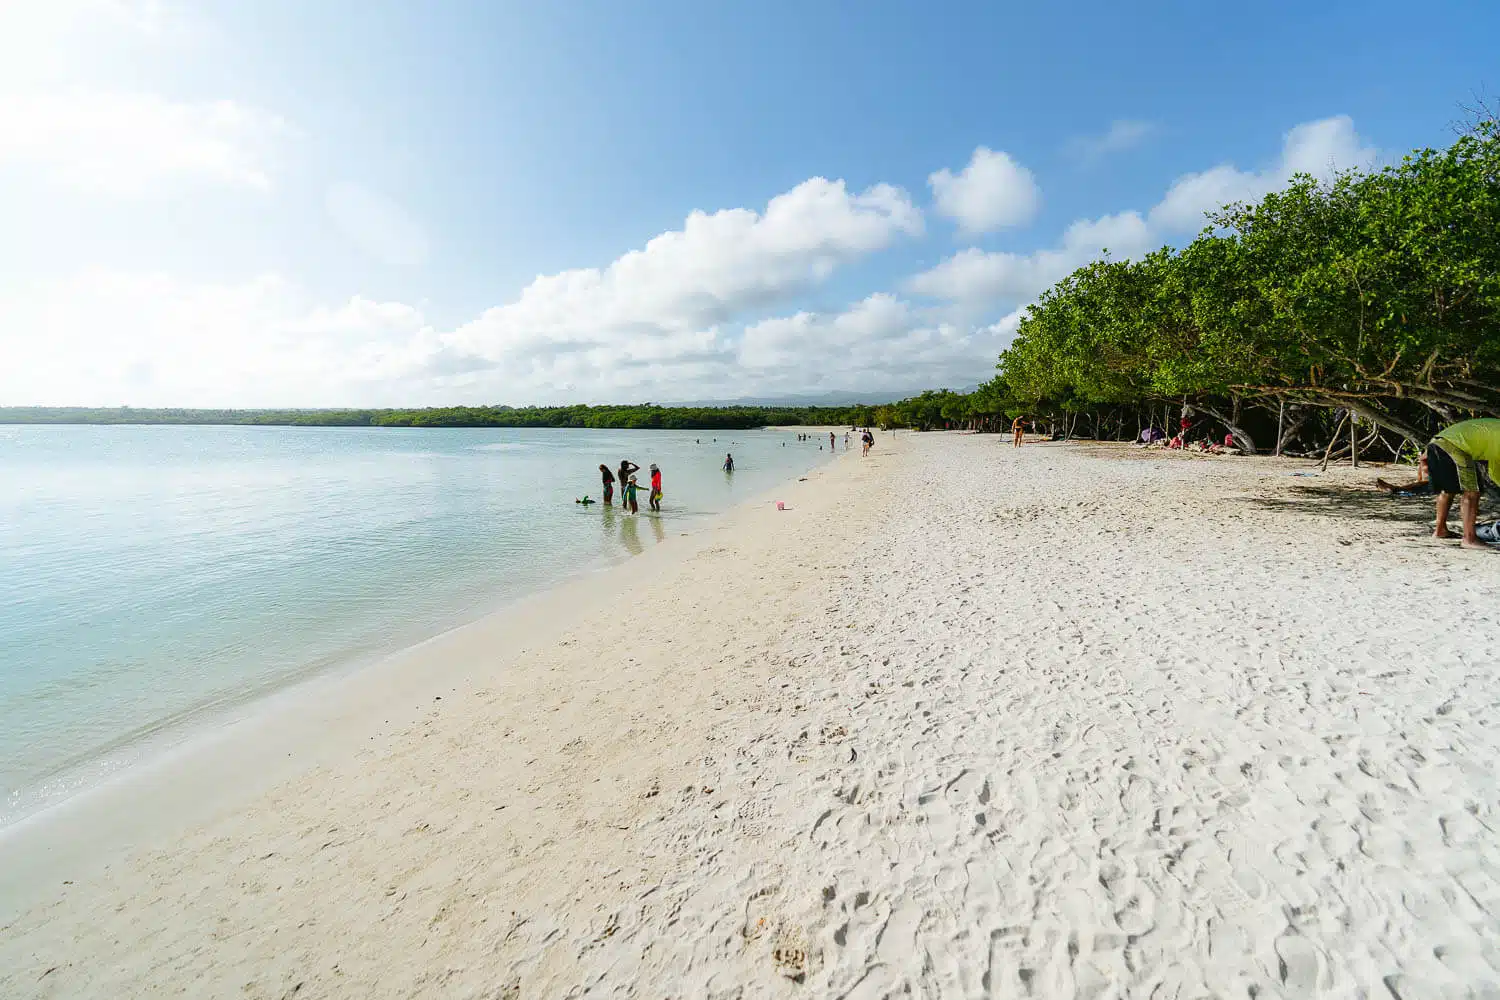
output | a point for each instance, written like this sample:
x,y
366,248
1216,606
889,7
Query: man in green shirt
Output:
x,y
1452,463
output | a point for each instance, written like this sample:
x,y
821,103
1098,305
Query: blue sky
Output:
x,y
379,203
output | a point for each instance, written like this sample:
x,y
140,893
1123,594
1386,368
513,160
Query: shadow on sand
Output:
x,y
1352,502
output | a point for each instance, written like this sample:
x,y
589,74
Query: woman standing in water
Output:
x,y
728,463
609,483
626,468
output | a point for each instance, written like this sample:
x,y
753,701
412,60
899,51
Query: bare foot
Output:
x,y
1474,543
1442,533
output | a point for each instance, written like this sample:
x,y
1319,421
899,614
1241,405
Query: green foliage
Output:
x,y
1378,292
632,417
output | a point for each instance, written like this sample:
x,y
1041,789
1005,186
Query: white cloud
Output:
x,y
684,283
880,343
1320,148
653,323
992,192
64,114
666,321
1123,134
977,276
143,339
793,341
46,40
376,224
127,142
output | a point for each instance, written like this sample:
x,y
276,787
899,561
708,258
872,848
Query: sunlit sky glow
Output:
x,y
336,203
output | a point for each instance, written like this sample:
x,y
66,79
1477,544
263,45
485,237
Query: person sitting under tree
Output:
x,y
1453,460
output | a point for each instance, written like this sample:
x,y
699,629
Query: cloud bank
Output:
x,y
713,308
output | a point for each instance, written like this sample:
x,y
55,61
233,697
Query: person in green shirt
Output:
x,y
1452,464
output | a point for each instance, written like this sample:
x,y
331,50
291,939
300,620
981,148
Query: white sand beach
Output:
x,y
962,721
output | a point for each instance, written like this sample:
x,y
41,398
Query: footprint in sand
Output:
x,y
1300,965
750,819
789,952
759,914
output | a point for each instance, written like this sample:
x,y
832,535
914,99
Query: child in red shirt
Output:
x,y
655,497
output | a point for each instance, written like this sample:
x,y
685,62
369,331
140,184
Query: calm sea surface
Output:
x,y
151,574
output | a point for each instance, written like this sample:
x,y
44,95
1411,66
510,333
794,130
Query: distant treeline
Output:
x,y
643,417
1360,313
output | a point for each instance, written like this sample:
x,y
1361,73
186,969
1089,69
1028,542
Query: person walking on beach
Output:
x,y
868,441
609,483
627,496
1018,427
627,468
728,463
831,440
655,497
1453,460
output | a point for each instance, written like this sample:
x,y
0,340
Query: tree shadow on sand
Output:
x,y
1352,503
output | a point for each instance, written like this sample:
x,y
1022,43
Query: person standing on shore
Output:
x,y
1018,427
831,441
1452,465
609,483
655,497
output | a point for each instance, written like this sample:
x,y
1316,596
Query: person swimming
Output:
x,y
584,500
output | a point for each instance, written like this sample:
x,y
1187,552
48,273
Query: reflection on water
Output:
x,y
630,534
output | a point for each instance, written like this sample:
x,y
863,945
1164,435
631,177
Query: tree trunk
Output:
x,y
1280,417
1299,417
1333,438
1386,420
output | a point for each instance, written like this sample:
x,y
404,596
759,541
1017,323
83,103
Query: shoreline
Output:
x,y
962,720
228,740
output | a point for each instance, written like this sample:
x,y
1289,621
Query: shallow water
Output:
x,y
149,574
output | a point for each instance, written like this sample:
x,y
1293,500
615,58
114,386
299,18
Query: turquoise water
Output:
x,y
150,574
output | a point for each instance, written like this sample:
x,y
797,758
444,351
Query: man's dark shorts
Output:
x,y
1442,470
